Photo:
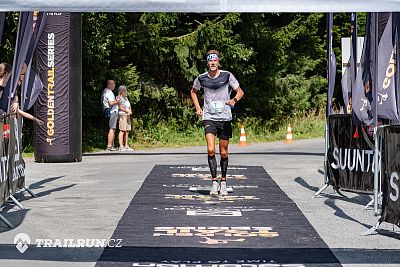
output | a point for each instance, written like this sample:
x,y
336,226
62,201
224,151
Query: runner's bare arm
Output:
x,y
29,117
193,94
238,96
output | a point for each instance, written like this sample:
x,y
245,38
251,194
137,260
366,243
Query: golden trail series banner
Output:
x,y
52,58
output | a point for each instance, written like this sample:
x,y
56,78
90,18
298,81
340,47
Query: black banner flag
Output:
x,y
362,93
387,106
2,18
24,36
31,83
29,29
349,75
346,86
396,40
353,51
331,75
391,176
31,88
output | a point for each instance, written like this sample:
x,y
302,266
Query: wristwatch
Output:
x,y
235,99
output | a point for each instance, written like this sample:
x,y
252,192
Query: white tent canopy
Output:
x,y
203,6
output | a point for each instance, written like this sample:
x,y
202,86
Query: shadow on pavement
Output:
x,y
15,215
360,199
200,255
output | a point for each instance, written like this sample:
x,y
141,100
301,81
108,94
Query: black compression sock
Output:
x,y
212,162
224,167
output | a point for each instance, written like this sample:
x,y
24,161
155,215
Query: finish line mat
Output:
x,y
257,225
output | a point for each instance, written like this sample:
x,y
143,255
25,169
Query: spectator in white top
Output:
x,y
124,113
110,111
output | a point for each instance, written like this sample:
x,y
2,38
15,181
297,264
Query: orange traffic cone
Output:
x,y
242,140
289,136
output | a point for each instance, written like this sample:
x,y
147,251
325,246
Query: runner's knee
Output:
x,y
224,154
211,151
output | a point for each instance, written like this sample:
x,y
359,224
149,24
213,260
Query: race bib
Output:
x,y
216,106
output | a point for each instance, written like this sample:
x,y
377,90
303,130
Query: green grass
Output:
x,y
167,134
311,126
27,154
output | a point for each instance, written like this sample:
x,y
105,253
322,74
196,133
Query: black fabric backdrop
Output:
x,y
12,165
16,164
166,223
391,174
352,139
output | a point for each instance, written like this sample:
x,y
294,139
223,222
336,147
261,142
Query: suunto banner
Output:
x,y
350,154
391,176
52,62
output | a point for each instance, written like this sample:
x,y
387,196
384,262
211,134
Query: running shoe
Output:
x,y
223,190
214,188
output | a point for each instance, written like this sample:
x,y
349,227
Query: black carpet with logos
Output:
x,y
172,221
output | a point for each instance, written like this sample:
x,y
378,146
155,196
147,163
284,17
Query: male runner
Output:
x,y
216,114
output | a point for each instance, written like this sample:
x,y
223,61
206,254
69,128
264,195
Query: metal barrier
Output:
x,y
12,165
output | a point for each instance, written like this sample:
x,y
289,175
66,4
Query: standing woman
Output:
x,y
216,114
124,113
5,73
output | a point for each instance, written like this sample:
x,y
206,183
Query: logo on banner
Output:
x,y
217,235
50,87
394,184
353,159
364,104
207,169
204,168
206,176
201,186
216,263
390,70
214,213
211,212
210,199
382,98
211,241
22,242
18,170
